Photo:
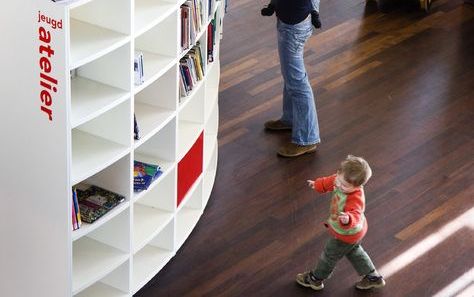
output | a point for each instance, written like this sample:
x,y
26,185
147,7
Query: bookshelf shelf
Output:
x,y
208,181
148,223
101,290
165,165
189,212
88,228
186,219
192,192
187,135
155,66
190,97
90,99
210,142
77,3
89,42
93,260
91,154
147,263
210,174
76,102
167,168
212,88
151,120
149,13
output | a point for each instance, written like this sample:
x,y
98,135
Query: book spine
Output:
x,y
76,208
74,220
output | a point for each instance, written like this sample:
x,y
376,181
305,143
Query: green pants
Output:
x,y
334,251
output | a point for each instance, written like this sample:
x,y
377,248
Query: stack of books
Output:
x,y
191,70
90,203
191,22
144,174
138,68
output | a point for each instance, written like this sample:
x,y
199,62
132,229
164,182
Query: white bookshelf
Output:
x,y
73,101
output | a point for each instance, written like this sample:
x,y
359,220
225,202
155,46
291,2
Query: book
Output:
x,y
74,221
192,17
138,68
183,90
144,174
136,130
94,202
211,40
76,208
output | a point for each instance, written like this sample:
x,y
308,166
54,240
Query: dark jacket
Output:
x,y
292,11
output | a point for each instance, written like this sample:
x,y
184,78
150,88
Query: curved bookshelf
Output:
x,y
83,133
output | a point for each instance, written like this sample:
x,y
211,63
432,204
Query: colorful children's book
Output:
x,y
144,174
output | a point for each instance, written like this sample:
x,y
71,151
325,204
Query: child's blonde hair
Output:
x,y
355,170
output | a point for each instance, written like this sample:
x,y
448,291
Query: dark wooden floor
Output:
x,y
397,88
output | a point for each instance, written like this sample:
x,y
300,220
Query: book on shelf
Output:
x,y
92,202
185,27
144,174
211,8
211,40
191,70
183,87
77,213
138,68
136,129
74,220
192,16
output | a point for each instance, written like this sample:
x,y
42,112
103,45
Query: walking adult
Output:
x,y
295,21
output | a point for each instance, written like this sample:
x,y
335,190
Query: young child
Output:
x,y
347,226
315,20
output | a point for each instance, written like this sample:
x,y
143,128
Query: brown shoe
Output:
x,y
306,279
294,150
277,125
370,282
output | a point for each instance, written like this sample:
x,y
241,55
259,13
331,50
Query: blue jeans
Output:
x,y
299,110
315,4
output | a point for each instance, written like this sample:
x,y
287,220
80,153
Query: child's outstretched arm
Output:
x,y
322,184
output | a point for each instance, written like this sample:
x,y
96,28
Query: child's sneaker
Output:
x,y
308,280
369,282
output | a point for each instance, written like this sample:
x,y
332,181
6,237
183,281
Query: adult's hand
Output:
x,y
315,20
268,11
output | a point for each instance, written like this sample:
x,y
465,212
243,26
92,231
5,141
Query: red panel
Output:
x,y
190,168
